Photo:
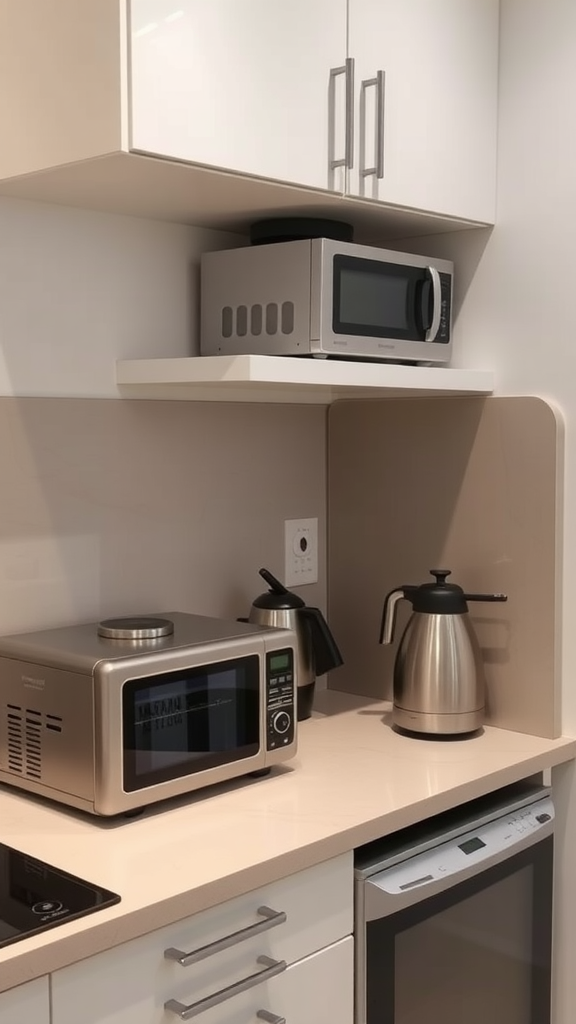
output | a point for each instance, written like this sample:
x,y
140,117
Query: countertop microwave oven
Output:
x,y
113,716
326,298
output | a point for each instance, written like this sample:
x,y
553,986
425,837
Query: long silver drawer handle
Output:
x,y
272,968
271,919
270,1018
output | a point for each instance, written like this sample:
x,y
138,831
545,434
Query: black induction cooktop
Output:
x,y
35,896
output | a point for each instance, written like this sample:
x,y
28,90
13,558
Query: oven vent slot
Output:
x,y
26,728
15,739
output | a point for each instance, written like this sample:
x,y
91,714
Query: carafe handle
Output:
x,y
389,611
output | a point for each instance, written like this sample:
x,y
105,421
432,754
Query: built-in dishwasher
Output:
x,y
454,916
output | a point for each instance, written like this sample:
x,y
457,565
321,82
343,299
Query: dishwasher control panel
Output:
x,y
458,854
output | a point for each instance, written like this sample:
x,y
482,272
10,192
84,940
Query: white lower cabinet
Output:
x,y
26,1004
240,964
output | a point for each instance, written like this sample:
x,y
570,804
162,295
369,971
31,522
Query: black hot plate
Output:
x,y
35,896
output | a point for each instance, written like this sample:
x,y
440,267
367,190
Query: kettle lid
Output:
x,y
439,598
278,597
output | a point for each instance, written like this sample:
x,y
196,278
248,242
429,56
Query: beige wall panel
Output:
x,y
114,507
471,485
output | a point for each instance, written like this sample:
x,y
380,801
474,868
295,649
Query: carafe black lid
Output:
x,y
439,598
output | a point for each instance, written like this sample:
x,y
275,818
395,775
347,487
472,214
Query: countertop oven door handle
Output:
x,y
271,919
271,969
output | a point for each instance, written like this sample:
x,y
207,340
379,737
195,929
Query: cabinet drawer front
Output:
x,y
315,990
27,1004
318,903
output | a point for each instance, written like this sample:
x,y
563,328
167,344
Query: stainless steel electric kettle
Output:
x,y
317,650
439,684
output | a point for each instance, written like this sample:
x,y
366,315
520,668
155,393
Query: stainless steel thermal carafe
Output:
x,y
439,684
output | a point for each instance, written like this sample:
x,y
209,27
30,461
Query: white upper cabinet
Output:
x,y
138,106
239,84
426,76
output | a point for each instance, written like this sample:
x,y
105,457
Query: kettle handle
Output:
x,y
326,653
389,611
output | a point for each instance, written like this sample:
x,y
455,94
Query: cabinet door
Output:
x,y
27,1004
433,146
239,84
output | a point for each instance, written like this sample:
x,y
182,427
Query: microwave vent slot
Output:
x,y
249,321
25,729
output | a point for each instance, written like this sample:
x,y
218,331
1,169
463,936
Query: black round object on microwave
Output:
x,y
293,229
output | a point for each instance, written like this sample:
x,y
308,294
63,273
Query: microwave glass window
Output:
x,y
377,299
373,299
184,722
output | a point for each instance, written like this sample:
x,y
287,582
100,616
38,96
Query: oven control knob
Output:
x,y
281,722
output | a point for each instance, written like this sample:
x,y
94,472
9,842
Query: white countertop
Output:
x,y
354,779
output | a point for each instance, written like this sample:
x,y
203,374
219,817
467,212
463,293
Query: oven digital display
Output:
x,y
280,662
185,722
471,845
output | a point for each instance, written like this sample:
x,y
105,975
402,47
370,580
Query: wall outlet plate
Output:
x,y
301,552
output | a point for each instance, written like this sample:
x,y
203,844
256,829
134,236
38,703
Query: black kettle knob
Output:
x,y
441,575
275,586
278,597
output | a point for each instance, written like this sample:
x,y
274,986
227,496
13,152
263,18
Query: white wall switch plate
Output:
x,y
301,552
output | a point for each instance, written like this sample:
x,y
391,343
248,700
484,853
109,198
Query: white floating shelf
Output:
x,y
250,378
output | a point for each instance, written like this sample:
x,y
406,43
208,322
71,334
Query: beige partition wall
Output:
x,y
467,484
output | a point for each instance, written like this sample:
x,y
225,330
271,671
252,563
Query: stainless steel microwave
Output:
x,y
113,716
321,297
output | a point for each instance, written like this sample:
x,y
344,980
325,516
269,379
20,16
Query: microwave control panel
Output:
x,y
443,333
280,699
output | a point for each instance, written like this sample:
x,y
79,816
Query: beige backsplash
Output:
x,y
114,507
472,485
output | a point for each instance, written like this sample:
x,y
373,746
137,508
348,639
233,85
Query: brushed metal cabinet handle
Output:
x,y
379,83
272,968
347,69
270,1018
271,919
